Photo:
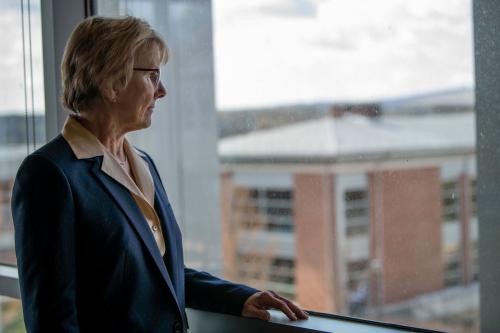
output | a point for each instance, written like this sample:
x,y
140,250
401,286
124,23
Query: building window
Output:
x,y
261,208
451,216
358,286
475,261
451,202
267,272
473,198
357,212
6,225
452,271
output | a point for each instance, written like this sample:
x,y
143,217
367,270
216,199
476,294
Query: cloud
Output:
x,y
338,42
13,85
351,50
228,12
290,8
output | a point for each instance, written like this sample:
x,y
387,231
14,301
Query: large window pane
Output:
x,y
11,319
22,125
345,147
182,138
22,122
368,108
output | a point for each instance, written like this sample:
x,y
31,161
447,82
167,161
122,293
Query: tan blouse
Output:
x,y
85,145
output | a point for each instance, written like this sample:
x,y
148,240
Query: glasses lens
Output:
x,y
155,78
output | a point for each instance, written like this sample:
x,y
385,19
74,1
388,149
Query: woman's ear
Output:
x,y
109,91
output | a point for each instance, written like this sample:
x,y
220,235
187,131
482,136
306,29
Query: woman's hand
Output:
x,y
257,304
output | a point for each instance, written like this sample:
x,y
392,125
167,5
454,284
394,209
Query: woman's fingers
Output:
x,y
254,312
257,304
270,300
298,311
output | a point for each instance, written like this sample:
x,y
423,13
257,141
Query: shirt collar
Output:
x,y
85,145
141,171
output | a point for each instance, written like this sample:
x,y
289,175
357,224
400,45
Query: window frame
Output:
x,y
487,55
486,25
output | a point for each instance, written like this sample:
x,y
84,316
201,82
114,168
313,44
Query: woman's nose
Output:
x,y
161,91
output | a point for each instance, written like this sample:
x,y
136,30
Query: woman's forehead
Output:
x,y
148,56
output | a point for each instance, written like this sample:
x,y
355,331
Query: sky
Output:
x,y
275,52
271,52
12,82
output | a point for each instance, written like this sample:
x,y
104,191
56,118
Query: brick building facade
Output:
x,y
368,230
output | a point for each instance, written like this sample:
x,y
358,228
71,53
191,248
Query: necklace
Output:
x,y
122,163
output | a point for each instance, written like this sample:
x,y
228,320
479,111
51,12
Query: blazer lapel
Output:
x,y
163,210
125,201
166,223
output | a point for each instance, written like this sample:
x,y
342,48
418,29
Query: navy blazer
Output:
x,y
87,260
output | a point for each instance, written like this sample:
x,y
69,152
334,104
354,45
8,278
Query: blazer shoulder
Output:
x,y
56,150
57,153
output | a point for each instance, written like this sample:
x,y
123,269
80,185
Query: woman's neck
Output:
x,y
106,130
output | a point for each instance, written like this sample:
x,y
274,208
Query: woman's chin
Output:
x,y
147,122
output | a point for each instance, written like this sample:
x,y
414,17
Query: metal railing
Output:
x,y
210,322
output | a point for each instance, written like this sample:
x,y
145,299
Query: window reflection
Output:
x,y
22,120
11,319
379,144
346,149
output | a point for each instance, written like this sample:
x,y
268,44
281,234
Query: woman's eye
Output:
x,y
154,77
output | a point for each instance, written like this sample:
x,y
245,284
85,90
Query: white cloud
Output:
x,y
290,8
12,92
351,49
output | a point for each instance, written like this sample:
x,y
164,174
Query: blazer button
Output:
x,y
178,327
155,227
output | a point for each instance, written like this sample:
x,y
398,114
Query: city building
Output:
x,y
352,213
14,138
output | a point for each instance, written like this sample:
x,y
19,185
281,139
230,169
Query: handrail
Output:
x,y
208,322
9,281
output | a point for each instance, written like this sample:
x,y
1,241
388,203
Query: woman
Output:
x,y
98,247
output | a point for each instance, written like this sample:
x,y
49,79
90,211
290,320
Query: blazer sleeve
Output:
x,y
44,222
209,293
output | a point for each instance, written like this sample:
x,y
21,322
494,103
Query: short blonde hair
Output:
x,y
101,49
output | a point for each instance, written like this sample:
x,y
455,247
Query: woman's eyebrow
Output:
x,y
146,69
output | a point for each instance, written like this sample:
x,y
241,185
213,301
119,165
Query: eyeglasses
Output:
x,y
154,75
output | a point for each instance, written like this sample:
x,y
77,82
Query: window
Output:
x,y
22,124
474,237
473,198
451,201
11,315
269,209
301,89
451,216
452,269
22,121
357,212
267,272
358,286
475,261
459,230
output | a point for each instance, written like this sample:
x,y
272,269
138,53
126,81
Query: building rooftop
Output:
x,y
354,137
450,99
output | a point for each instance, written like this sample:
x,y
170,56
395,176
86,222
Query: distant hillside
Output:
x,y
14,129
235,122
